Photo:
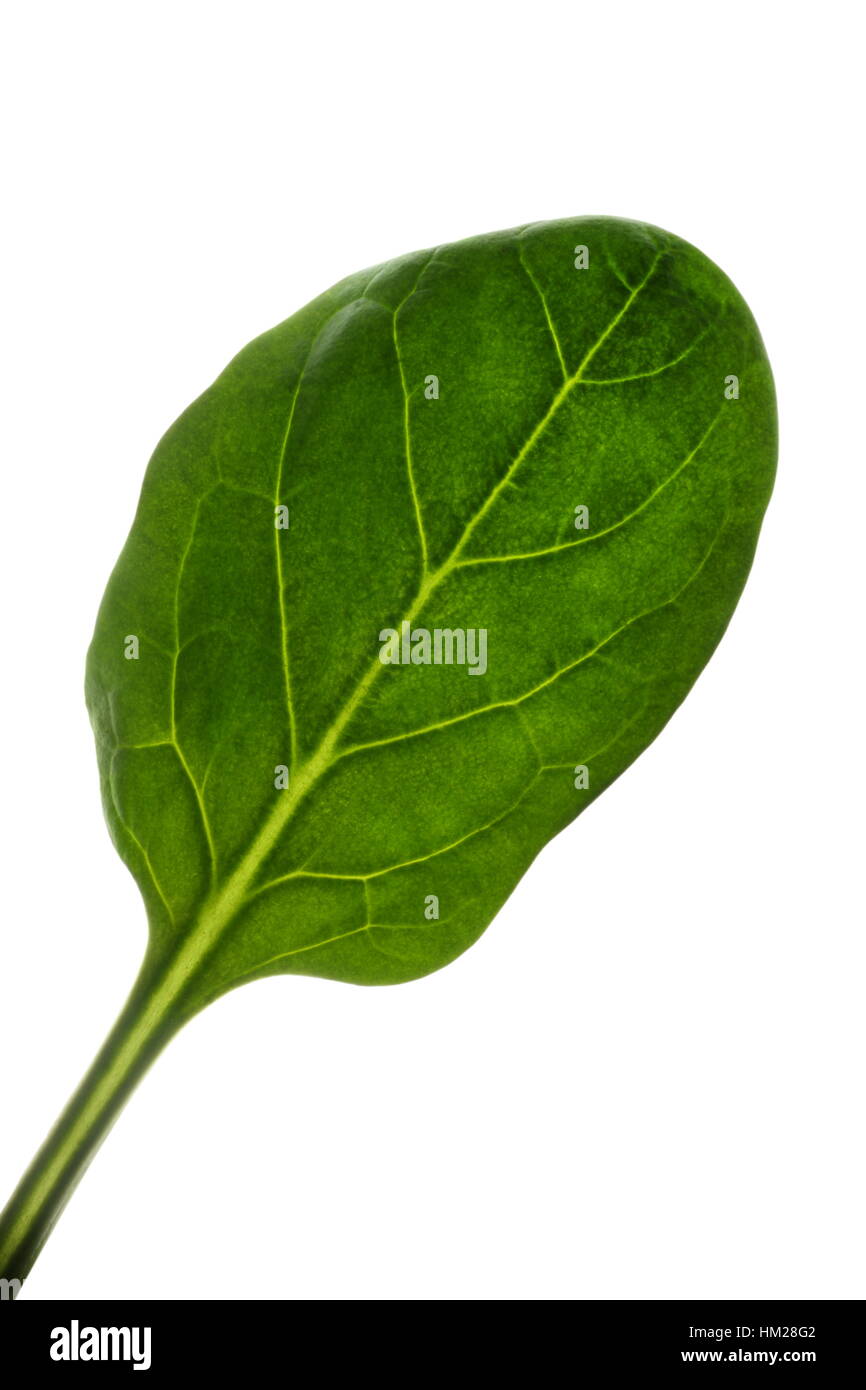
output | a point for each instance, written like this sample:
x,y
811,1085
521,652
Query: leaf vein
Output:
x,y
656,371
546,307
205,820
475,560
407,434
549,680
562,394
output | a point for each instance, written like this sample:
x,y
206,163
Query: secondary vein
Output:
x,y
597,535
546,307
561,395
278,555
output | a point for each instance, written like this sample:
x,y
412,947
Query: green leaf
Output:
x,y
554,445
558,387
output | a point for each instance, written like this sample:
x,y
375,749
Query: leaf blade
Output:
x,y
407,509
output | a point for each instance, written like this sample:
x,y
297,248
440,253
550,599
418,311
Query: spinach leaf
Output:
x,y
421,573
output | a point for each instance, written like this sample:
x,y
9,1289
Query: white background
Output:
x,y
646,1080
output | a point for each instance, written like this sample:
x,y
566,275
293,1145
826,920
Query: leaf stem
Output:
x,y
143,1027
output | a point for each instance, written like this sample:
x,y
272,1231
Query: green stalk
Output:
x,y
155,1011
145,1025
